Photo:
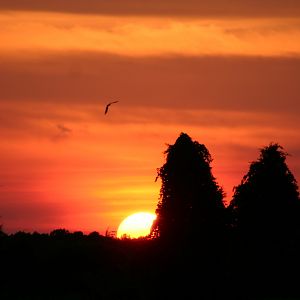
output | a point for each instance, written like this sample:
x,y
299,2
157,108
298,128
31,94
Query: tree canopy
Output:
x,y
267,200
190,201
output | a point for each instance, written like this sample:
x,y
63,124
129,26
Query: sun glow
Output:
x,y
136,225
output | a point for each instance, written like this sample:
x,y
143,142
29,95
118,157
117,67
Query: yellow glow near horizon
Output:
x,y
136,225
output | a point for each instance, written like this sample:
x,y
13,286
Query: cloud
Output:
x,y
89,79
155,36
64,132
63,129
161,7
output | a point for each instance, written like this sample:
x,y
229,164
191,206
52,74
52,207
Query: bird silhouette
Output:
x,y
108,105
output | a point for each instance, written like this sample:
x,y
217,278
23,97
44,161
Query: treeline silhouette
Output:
x,y
197,249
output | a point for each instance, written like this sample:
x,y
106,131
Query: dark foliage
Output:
x,y
265,227
43,266
191,202
89,267
266,203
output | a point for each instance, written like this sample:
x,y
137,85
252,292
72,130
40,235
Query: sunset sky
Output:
x,y
225,72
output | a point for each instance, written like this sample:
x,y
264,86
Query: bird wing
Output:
x,y
107,106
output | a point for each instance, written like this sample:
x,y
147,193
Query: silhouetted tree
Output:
x,y
77,234
94,235
2,233
59,233
190,201
266,203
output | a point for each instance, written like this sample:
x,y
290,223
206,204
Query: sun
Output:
x,y
136,225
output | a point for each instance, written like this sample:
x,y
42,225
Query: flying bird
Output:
x,y
108,105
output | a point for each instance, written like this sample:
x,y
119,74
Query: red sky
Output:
x,y
225,72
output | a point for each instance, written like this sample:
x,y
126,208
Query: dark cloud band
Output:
x,y
223,83
254,8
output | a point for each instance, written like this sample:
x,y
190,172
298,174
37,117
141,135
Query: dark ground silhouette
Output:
x,y
249,250
42,266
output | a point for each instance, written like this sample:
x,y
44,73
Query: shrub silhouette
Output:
x,y
60,233
266,203
2,233
191,202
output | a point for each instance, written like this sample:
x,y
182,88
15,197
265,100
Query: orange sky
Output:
x,y
226,75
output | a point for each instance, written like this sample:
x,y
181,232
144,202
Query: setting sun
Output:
x,y
136,225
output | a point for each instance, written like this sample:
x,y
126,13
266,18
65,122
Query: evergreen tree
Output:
x,y
266,203
190,201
